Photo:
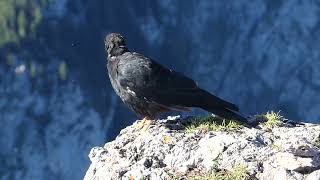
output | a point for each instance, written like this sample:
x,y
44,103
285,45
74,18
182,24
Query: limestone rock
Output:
x,y
162,152
315,175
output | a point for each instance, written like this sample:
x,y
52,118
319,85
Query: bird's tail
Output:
x,y
229,114
220,107
209,100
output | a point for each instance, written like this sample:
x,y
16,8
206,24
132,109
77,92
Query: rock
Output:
x,y
298,164
315,175
163,153
280,173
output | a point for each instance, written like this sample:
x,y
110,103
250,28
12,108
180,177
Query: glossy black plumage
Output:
x,y
149,88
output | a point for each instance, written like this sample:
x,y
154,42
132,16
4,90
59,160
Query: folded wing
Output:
x,y
153,82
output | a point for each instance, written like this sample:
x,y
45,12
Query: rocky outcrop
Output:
x,y
167,150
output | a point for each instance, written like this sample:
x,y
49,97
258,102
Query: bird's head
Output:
x,y
115,45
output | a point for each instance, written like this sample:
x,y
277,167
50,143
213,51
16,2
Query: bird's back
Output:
x,y
141,73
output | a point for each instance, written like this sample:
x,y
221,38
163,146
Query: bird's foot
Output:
x,y
144,124
147,123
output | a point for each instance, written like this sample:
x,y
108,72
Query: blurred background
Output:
x,y
56,101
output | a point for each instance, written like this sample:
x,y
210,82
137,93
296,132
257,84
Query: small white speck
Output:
x,y
20,69
131,92
173,117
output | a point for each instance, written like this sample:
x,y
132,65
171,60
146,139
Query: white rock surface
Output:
x,y
315,175
165,150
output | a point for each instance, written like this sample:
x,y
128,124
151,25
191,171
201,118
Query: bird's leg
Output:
x,y
144,124
141,123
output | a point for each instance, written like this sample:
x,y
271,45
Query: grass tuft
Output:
x,y
276,147
238,173
63,70
273,119
212,123
317,142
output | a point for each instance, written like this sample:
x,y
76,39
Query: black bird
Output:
x,y
149,88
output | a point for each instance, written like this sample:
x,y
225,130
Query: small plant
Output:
x,y
9,59
167,139
173,177
33,70
238,173
63,70
276,147
273,119
317,142
212,123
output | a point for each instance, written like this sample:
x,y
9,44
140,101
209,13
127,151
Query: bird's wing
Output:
x,y
153,82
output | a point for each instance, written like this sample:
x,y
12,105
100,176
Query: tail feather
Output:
x,y
229,114
211,100
226,113
219,107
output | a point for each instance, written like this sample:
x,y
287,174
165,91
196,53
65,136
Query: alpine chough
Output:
x,y
149,88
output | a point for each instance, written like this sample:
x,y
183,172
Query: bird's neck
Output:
x,y
118,51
